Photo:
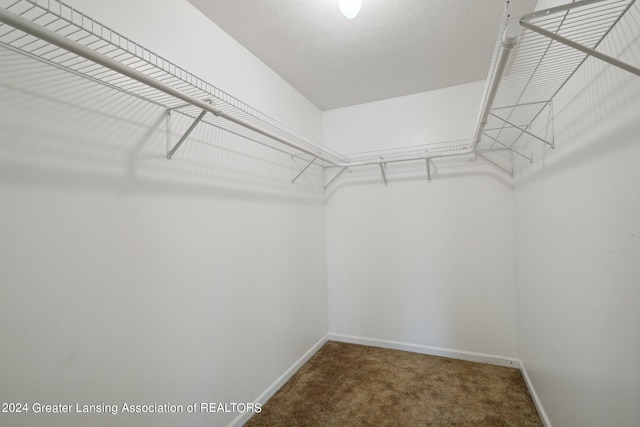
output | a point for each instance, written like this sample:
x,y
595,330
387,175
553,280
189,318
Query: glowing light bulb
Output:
x,y
350,8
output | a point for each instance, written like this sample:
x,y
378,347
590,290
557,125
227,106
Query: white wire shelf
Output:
x,y
77,27
423,160
540,66
524,77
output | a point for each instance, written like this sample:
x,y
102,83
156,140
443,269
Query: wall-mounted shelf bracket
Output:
x,y
428,160
509,148
522,130
186,134
340,172
384,175
304,169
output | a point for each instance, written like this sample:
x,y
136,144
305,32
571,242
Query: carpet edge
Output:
x,y
281,380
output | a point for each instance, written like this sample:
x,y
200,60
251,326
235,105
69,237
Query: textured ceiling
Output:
x,y
392,48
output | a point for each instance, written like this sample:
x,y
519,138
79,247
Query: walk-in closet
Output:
x,y
319,213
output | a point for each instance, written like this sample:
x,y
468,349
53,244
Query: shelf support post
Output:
x,y
335,177
384,175
304,169
186,134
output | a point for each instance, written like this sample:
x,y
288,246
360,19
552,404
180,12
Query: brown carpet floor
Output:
x,y
355,385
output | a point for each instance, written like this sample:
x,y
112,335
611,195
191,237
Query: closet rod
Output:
x,y
509,40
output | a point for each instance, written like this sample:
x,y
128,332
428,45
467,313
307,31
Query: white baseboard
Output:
x,y
282,379
490,359
534,396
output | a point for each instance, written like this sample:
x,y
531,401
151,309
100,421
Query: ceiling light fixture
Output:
x,y
350,8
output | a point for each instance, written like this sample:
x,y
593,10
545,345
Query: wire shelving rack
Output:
x,y
531,63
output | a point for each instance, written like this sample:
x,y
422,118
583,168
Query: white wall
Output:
x,y
427,264
578,221
428,117
126,277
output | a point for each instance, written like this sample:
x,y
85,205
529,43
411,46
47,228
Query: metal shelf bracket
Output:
x,y
384,175
183,138
303,170
340,172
